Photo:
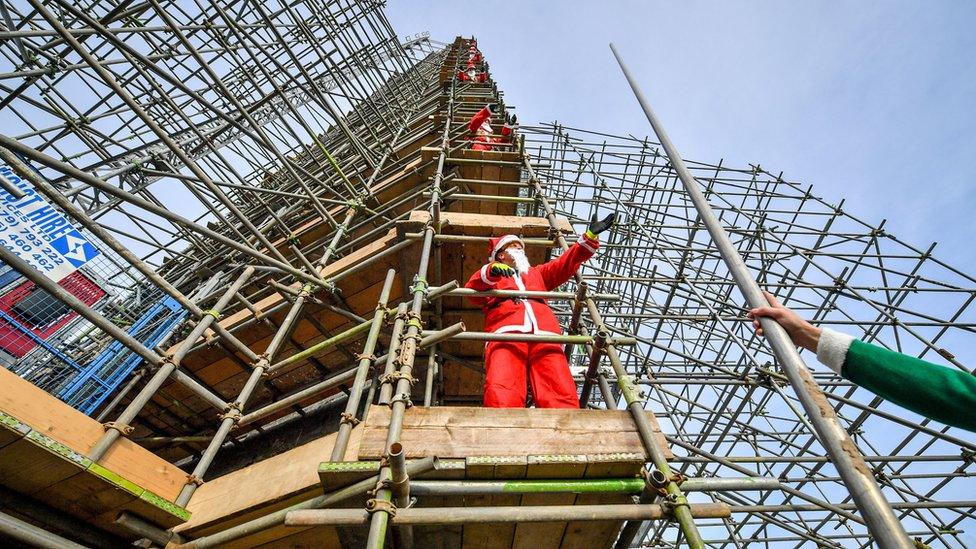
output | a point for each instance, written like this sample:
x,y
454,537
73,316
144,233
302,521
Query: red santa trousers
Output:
x,y
506,363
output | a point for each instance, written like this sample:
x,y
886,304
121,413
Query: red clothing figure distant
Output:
x,y
506,362
472,76
480,126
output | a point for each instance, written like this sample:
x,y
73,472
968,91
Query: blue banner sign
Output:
x,y
38,233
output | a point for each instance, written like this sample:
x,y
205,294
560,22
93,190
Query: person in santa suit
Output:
x,y
944,394
480,126
506,362
474,56
472,75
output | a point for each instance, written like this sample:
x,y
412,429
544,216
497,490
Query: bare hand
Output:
x,y
802,333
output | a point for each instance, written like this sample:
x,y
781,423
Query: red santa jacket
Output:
x,y
480,126
467,76
528,315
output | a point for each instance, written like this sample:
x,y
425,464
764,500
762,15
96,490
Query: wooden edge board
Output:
x,y
339,474
11,423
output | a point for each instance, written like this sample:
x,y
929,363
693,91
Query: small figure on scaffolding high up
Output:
x,y
484,137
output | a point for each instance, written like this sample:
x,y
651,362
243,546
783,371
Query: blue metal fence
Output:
x,y
107,371
86,386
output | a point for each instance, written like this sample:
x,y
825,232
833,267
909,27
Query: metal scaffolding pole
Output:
x,y
844,453
37,537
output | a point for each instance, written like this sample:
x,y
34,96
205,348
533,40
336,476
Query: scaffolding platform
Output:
x,y
469,444
43,444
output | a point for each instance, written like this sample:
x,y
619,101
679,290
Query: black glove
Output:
x,y
502,270
492,107
513,121
597,227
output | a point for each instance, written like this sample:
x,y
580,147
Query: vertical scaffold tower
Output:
x,y
285,204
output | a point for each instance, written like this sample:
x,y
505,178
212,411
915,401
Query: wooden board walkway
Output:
x,y
43,443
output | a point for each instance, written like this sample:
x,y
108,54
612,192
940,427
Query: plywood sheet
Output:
x,y
264,483
450,432
61,422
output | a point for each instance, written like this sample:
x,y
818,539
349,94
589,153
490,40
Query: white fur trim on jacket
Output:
x,y
585,242
529,323
484,275
832,349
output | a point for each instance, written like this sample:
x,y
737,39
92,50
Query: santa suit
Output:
x,y
472,76
506,362
480,126
475,57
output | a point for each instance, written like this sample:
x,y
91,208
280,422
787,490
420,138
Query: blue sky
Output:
x,y
872,102
875,103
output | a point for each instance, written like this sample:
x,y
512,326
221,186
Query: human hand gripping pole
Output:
x,y
802,333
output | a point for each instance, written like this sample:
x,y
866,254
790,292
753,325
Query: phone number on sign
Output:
x,y
26,244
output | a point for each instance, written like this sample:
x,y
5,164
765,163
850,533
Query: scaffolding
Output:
x,y
295,183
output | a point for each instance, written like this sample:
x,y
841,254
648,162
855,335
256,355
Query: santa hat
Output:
x,y
497,243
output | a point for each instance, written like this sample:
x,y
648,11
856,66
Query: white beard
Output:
x,y
521,261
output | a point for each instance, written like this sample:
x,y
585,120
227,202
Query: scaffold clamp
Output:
x,y
404,398
232,411
416,337
211,312
420,285
382,484
122,428
413,319
381,506
671,502
397,376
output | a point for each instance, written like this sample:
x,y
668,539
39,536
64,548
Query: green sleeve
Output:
x,y
943,394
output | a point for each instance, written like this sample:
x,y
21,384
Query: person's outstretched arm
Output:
x,y
937,392
556,272
479,117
